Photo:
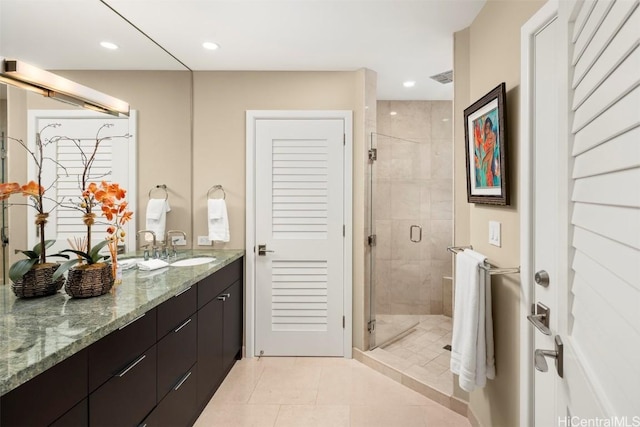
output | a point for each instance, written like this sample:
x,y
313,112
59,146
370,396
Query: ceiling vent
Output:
x,y
444,78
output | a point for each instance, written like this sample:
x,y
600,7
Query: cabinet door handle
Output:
x,y
183,325
137,318
130,367
222,298
182,381
182,292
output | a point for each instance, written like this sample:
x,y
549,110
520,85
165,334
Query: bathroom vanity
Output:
x,y
150,353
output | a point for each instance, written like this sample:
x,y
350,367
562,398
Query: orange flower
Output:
x,y
8,189
92,187
111,229
32,189
126,217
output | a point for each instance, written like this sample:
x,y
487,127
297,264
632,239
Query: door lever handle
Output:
x,y
539,317
557,355
262,250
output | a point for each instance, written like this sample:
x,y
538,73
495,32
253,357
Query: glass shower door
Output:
x,y
399,266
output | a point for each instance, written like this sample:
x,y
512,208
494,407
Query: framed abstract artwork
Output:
x,y
485,139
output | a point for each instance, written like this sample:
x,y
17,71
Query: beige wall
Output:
x,y
221,100
493,45
167,154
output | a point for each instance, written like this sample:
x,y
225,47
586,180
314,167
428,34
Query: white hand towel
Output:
x,y
152,264
218,220
157,218
472,338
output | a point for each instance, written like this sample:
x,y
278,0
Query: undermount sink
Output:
x,y
190,262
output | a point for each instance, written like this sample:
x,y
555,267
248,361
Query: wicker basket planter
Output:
x,y
88,281
37,282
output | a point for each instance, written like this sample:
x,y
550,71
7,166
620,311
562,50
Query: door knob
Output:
x,y
542,278
557,354
539,317
262,250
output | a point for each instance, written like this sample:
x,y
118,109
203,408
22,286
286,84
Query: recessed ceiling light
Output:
x,y
393,113
409,83
445,120
210,45
109,45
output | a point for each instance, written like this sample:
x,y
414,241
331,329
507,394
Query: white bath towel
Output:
x,y
152,264
218,220
156,219
472,338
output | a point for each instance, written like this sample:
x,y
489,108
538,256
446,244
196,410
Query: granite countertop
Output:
x,y
37,333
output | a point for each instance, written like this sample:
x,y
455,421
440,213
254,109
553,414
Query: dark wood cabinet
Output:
x,y
179,407
177,352
76,417
45,398
162,367
128,397
210,336
117,350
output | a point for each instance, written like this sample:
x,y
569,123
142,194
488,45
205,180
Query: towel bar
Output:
x,y
491,268
162,187
216,188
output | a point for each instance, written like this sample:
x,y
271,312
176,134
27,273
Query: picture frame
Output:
x,y
486,149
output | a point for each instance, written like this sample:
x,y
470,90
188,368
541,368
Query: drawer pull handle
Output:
x,y
182,381
137,318
183,325
182,292
130,367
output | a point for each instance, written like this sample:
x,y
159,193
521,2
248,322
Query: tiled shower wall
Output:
x,y
413,185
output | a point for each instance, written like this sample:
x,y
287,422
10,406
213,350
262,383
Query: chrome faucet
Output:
x,y
168,240
146,247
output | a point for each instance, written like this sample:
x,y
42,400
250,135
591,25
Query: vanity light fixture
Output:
x,y
25,76
210,46
109,45
409,83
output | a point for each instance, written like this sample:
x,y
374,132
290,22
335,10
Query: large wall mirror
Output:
x,y
64,37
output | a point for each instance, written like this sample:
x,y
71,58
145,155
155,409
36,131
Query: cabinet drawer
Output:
x,y
115,351
75,417
46,397
176,353
210,287
128,397
173,311
179,407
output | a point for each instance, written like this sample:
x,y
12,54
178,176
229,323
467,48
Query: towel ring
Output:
x,y
163,187
216,188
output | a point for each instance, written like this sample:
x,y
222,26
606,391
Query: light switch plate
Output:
x,y
204,241
495,235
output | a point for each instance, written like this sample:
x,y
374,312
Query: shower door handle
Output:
x,y
419,233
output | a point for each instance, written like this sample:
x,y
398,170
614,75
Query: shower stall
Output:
x,y
411,221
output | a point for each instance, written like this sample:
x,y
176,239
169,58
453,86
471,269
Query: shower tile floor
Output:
x,y
420,353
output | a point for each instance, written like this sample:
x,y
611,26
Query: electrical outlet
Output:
x,y
178,241
204,241
495,235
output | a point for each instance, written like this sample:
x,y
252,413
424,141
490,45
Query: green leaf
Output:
x,y
95,256
47,244
30,254
80,253
59,255
64,267
20,268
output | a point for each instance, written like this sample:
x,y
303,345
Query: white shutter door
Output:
x,y
604,304
114,162
300,217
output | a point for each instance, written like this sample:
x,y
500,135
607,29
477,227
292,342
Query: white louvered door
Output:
x,y
595,285
300,217
115,162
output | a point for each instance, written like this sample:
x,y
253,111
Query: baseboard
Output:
x,y
471,416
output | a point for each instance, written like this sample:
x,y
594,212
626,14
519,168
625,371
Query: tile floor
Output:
x,y
420,354
314,392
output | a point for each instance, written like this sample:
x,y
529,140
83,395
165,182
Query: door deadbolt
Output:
x,y
542,278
